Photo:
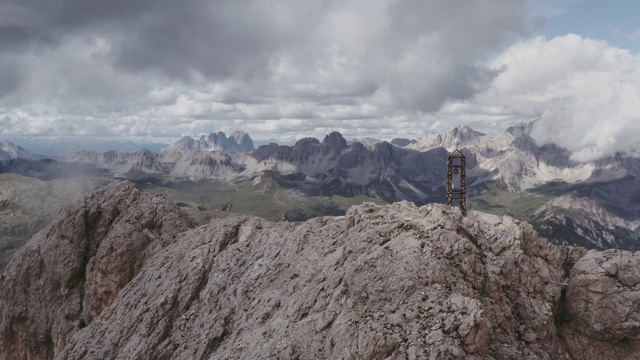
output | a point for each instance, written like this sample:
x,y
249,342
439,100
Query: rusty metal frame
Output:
x,y
457,194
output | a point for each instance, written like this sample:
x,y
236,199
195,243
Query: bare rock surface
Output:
x,y
382,282
74,268
28,204
122,276
603,306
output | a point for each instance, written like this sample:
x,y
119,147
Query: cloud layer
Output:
x,y
586,93
157,69
162,68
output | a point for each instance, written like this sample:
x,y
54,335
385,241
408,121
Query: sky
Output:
x,y
150,71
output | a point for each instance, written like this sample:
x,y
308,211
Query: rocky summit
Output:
x,y
124,274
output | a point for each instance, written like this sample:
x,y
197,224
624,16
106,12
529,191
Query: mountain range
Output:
x,y
594,204
172,272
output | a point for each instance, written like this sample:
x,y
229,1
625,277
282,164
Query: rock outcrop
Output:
x,y
393,281
68,273
27,205
603,295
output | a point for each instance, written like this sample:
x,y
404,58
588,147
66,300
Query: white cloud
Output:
x,y
586,92
162,96
183,67
290,68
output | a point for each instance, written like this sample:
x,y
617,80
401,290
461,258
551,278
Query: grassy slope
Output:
x,y
265,198
269,200
494,200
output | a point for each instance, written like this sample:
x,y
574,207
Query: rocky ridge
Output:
x,y
588,220
393,281
511,162
28,204
69,272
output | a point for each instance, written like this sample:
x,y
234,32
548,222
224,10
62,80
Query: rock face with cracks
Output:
x,y
393,281
603,299
72,270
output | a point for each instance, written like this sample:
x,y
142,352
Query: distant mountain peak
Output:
x,y
238,135
523,129
9,146
10,150
335,140
186,141
464,131
238,142
458,137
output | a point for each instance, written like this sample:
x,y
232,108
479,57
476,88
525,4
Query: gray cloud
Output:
x,y
163,67
9,77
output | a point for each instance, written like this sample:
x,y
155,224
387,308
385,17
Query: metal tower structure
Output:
x,y
457,175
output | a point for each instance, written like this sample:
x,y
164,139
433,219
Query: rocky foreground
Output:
x,y
124,274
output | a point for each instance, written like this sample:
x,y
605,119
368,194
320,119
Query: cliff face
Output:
x,y
603,294
28,204
121,275
74,268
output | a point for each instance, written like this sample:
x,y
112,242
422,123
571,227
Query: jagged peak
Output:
x,y
335,140
458,137
305,141
522,129
239,135
6,144
239,141
185,138
465,130
16,151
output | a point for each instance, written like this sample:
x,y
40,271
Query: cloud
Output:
x,y
285,68
9,77
585,91
171,67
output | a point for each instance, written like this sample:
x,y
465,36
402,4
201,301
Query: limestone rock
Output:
x,y
74,268
28,204
122,276
602,306
395,281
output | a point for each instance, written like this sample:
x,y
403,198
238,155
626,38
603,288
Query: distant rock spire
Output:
x,y
239,141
